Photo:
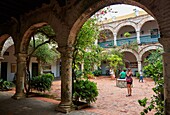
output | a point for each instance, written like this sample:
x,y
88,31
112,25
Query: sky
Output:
x,y
121,10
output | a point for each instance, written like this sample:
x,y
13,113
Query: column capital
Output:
x,y
1,58
115,34
66,51
65,48
21,56
165,42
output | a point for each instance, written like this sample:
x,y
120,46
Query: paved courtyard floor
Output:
x,y
111,100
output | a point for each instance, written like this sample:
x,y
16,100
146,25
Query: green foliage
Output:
x,y
154,69
97,72
85,90
45,53
137,74
48,75
47,30
127,34
114,57
133,45
42,83
143,102
85,50
5,85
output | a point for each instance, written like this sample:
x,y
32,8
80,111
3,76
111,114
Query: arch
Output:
x,y
143,21
26,37
147,48
127,23
93,7
107,27
106,34
131,51
3,38
9,42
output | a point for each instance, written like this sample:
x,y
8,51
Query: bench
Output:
x,y
121,83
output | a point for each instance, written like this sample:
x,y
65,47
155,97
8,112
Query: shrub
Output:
x,y
5,85
85,90
97,72
42,83
137,74
48,75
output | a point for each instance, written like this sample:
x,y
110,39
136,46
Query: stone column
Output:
x,y
139,65
66,80
166,72
138,36
20,76
115,38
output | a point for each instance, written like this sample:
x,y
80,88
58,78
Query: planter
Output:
x,y
80,105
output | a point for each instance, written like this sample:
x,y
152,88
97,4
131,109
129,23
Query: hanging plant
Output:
x,y
127,34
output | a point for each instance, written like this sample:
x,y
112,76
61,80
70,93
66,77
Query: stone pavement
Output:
x,y
30,106
111,100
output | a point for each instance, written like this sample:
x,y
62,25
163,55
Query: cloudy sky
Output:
x,y
120,10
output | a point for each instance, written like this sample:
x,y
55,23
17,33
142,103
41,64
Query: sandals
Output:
x,y
128,95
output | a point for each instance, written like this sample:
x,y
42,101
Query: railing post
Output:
x,y
138,36
115,38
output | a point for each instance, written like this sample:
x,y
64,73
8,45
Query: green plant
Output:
x,y
127,34
137,74
85,90
97,72
48,75
154,69
41,83
5,85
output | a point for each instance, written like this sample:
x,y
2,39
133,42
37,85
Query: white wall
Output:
x,y
11,59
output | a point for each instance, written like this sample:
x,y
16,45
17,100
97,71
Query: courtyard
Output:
x,y
110,101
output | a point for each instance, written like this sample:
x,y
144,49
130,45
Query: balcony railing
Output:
x,y
126,41
147,39
107,44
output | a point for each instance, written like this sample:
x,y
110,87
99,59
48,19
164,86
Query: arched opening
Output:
x,y
130,59
149,32
105,35
126,35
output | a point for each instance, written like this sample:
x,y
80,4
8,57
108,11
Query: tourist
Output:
x,y
141,76
129,81
112,74
122,74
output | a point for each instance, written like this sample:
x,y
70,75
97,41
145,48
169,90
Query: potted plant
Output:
x,y
127,34
84,93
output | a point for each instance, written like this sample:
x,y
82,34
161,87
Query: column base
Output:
x,y
19,96
65,108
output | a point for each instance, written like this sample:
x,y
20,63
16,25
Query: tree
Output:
x,y
38,47
154,69
85,49
114,57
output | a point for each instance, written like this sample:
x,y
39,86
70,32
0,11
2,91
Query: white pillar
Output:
x,y
139,66
138,36
96,42
115,38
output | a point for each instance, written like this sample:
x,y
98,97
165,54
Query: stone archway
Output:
x,y
73,14
147,48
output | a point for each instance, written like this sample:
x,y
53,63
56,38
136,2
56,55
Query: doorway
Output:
x,y
34,69
4,70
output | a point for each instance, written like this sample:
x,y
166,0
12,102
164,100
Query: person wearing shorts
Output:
x,y
129,81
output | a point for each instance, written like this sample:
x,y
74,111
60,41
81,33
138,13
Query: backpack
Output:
x,y
128,79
